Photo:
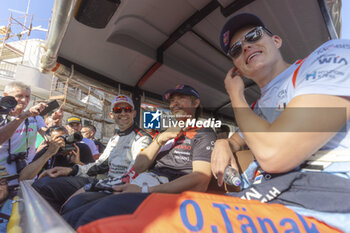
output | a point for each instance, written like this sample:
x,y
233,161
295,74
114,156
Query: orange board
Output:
x,y
201,212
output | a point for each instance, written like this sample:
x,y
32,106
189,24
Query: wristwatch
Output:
x,y
88,187
144,187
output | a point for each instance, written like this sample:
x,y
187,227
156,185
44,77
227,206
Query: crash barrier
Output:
x,y
37,216
200,212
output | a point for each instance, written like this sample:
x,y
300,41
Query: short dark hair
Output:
x,y
55,129
90,127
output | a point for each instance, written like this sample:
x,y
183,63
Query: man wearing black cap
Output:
x,y
178,160
298,124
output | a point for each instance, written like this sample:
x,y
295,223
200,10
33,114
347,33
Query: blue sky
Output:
x,y
41,9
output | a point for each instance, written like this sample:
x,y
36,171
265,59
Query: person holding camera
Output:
x,y
73,126
61,149
53,118
19,130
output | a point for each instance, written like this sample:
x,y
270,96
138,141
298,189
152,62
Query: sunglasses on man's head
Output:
x,y
251,37
120,109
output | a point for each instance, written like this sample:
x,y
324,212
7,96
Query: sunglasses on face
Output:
x,y
120,109
251,37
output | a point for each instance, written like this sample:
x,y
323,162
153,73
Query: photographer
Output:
x,y
60,150
73,126
51,119
19,130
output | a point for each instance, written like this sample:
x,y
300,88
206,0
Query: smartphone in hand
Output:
x,y
52,105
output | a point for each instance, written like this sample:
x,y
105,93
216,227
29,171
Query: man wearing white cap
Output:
x,y
117,158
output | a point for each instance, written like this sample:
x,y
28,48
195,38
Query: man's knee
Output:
x,y
42,183
125,203
82,199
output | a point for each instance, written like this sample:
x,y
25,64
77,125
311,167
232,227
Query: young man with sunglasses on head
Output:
x,y
178,160
298,130
117,158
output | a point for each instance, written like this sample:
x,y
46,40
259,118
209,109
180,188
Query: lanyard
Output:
x,y
26,122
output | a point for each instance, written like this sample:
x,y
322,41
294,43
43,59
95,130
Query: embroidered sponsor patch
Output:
x,y
226,37
179,86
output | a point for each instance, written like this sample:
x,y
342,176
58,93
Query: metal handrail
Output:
x,y
39,216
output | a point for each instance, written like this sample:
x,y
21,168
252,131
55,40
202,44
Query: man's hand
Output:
x,y
33,111
75,155
56,171
127,188
58,114
234,83
221,157
170,133
55,119
55,144
42,145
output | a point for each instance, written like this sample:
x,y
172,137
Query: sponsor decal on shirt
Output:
x,y
282,94
181,157
183,147
253,194
316,75
181,152
328,47
332,58
281,107
24,130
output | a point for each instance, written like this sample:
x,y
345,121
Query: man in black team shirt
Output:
x,y
177,160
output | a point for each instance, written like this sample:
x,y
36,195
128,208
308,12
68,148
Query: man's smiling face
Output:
x,y
125,118
257,55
